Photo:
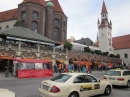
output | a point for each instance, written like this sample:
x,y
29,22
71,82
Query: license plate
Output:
x,y
45,87
111,78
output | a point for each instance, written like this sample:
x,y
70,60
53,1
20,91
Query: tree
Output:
x,y
87,49
105,53
117,56
92,52
112,55
99,52
68,45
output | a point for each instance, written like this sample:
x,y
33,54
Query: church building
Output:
x,y
44,17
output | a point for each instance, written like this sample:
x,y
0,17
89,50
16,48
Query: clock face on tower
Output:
x,y
34,15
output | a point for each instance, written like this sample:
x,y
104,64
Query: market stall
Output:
x,y
31,68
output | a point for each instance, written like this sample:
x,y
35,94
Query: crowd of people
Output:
x,y
61,67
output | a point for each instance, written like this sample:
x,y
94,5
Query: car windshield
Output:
x,y
113,73
61,78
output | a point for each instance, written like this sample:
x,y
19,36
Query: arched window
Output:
x,y
0,28
64,24
23,15
7,27
34,26
56,34
34,15
56,22
126,55
63,36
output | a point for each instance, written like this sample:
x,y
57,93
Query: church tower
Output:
x,y
105,31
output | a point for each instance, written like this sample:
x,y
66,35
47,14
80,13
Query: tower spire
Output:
x,y
98,21
104,9
110,22
97,35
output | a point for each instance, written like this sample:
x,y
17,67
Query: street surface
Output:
x,y
29,87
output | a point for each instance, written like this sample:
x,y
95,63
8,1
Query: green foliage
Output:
x,y
87,49
20,24
99,52
68,45
117,56
105,53
112,55
92,52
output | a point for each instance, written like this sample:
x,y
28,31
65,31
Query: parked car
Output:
x,y
74,85
120,77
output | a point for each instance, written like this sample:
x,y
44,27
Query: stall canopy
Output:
x,y
85,62
60,61
6,57
75,62
32,60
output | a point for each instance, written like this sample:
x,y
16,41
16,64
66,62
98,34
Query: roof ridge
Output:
x,y
8,10
122,36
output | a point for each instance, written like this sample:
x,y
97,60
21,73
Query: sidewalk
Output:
x,y
2,76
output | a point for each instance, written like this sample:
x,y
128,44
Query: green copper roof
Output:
x,y
50,4
25,33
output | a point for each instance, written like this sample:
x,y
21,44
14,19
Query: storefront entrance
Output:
x,y
4,63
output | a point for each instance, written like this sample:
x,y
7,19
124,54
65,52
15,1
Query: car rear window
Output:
x,y
61,78
113,73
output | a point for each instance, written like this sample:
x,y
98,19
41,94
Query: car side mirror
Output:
x,y
99,81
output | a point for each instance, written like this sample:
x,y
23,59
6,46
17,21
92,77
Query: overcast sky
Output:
x,y
83,15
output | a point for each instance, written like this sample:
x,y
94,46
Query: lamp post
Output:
x,y
7,71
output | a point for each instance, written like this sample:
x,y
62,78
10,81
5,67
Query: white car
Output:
x,y
6,93
120,77
74,85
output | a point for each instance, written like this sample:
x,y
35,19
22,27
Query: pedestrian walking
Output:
x,y
84,69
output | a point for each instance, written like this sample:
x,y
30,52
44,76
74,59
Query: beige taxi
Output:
x,y
6,93
74,85
120,77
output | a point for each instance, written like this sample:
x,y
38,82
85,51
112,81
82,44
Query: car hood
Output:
x,y
6,93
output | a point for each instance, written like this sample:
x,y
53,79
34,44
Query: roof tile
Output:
x,y
57,6
104,9
8,15
25,33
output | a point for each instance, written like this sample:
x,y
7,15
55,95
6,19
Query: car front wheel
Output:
x,y
128,84
74,94
107,90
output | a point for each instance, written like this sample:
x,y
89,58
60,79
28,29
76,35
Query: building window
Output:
x,y
34,26
103,22
64,24
56,22
0,28
56,34
63,36
126,55
7,27
23,15
34,15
